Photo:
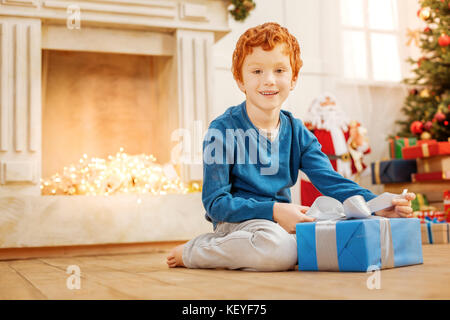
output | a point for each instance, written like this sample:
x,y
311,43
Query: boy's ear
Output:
x,y
241,85
293,83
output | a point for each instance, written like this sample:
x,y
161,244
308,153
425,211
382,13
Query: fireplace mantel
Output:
x,y
166,16
183,29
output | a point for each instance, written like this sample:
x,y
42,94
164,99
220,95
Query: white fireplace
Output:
x,y
64,63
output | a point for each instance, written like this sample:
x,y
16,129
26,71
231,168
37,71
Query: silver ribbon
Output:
x,y
328,212
387,248
326,248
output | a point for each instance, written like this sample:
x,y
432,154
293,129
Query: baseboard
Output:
x,y
86,250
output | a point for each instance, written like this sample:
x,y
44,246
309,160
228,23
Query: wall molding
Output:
x,y
32,3
170,15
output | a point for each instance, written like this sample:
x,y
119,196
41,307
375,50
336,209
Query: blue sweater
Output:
x,y
244,173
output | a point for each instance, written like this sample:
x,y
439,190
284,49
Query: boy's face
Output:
x,y
267,77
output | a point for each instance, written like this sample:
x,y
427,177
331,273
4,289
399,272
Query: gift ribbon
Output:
x,y
429,231
406,141
387,247
426,165
326,247
391,144
377,172
425,150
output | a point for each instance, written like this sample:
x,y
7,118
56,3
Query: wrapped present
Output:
x,y
420,202
430,176
396,145
433,164
425,150
430,214
357,244
434,231
397,170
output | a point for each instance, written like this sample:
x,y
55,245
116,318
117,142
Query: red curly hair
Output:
x,y
266,36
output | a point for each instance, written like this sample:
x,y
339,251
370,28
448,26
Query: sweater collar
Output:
x,y
249,123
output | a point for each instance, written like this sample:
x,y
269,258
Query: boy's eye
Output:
x,y
280,70
257,71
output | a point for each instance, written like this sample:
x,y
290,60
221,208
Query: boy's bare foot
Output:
x,y
175,257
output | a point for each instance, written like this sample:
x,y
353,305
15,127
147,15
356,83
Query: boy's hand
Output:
x,y
287,215
401,208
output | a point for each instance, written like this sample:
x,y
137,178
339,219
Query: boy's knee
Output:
x,y
278,251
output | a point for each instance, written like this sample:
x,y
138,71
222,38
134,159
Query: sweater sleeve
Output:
x,y
217,197
316,165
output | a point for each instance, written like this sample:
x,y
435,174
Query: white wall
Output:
x,y
314,24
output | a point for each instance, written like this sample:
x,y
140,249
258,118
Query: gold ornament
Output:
x,y
425,13
425,135
424,93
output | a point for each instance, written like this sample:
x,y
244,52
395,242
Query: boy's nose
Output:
x,y
269,78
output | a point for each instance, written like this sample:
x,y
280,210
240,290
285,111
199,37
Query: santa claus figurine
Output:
x,y
342,140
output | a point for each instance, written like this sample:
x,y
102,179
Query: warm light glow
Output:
x,y
122,173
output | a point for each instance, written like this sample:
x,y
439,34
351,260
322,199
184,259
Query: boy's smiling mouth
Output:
x,y
268,93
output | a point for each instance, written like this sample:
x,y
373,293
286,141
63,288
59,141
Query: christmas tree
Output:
x,y
427,107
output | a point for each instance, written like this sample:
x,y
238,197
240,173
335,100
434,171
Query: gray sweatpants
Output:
x,y
252,245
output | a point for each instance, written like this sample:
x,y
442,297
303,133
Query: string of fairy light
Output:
x,y
119,174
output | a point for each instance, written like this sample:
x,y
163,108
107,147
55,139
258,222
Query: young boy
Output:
x,y
247,196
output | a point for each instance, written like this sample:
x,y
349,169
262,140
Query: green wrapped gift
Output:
x,y
396,145
420,202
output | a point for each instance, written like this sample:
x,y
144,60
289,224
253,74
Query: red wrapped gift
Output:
x,y
421,215
431,176
424,150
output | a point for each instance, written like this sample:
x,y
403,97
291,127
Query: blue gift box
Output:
x,y
393,171
359,244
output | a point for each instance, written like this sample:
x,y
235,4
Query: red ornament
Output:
x,y
416,127
427,126
444,40
439,116
414,92
427,30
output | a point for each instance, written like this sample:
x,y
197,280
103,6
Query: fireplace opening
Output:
x,y
110,111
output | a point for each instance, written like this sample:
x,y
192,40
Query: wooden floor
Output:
x,y
146,276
